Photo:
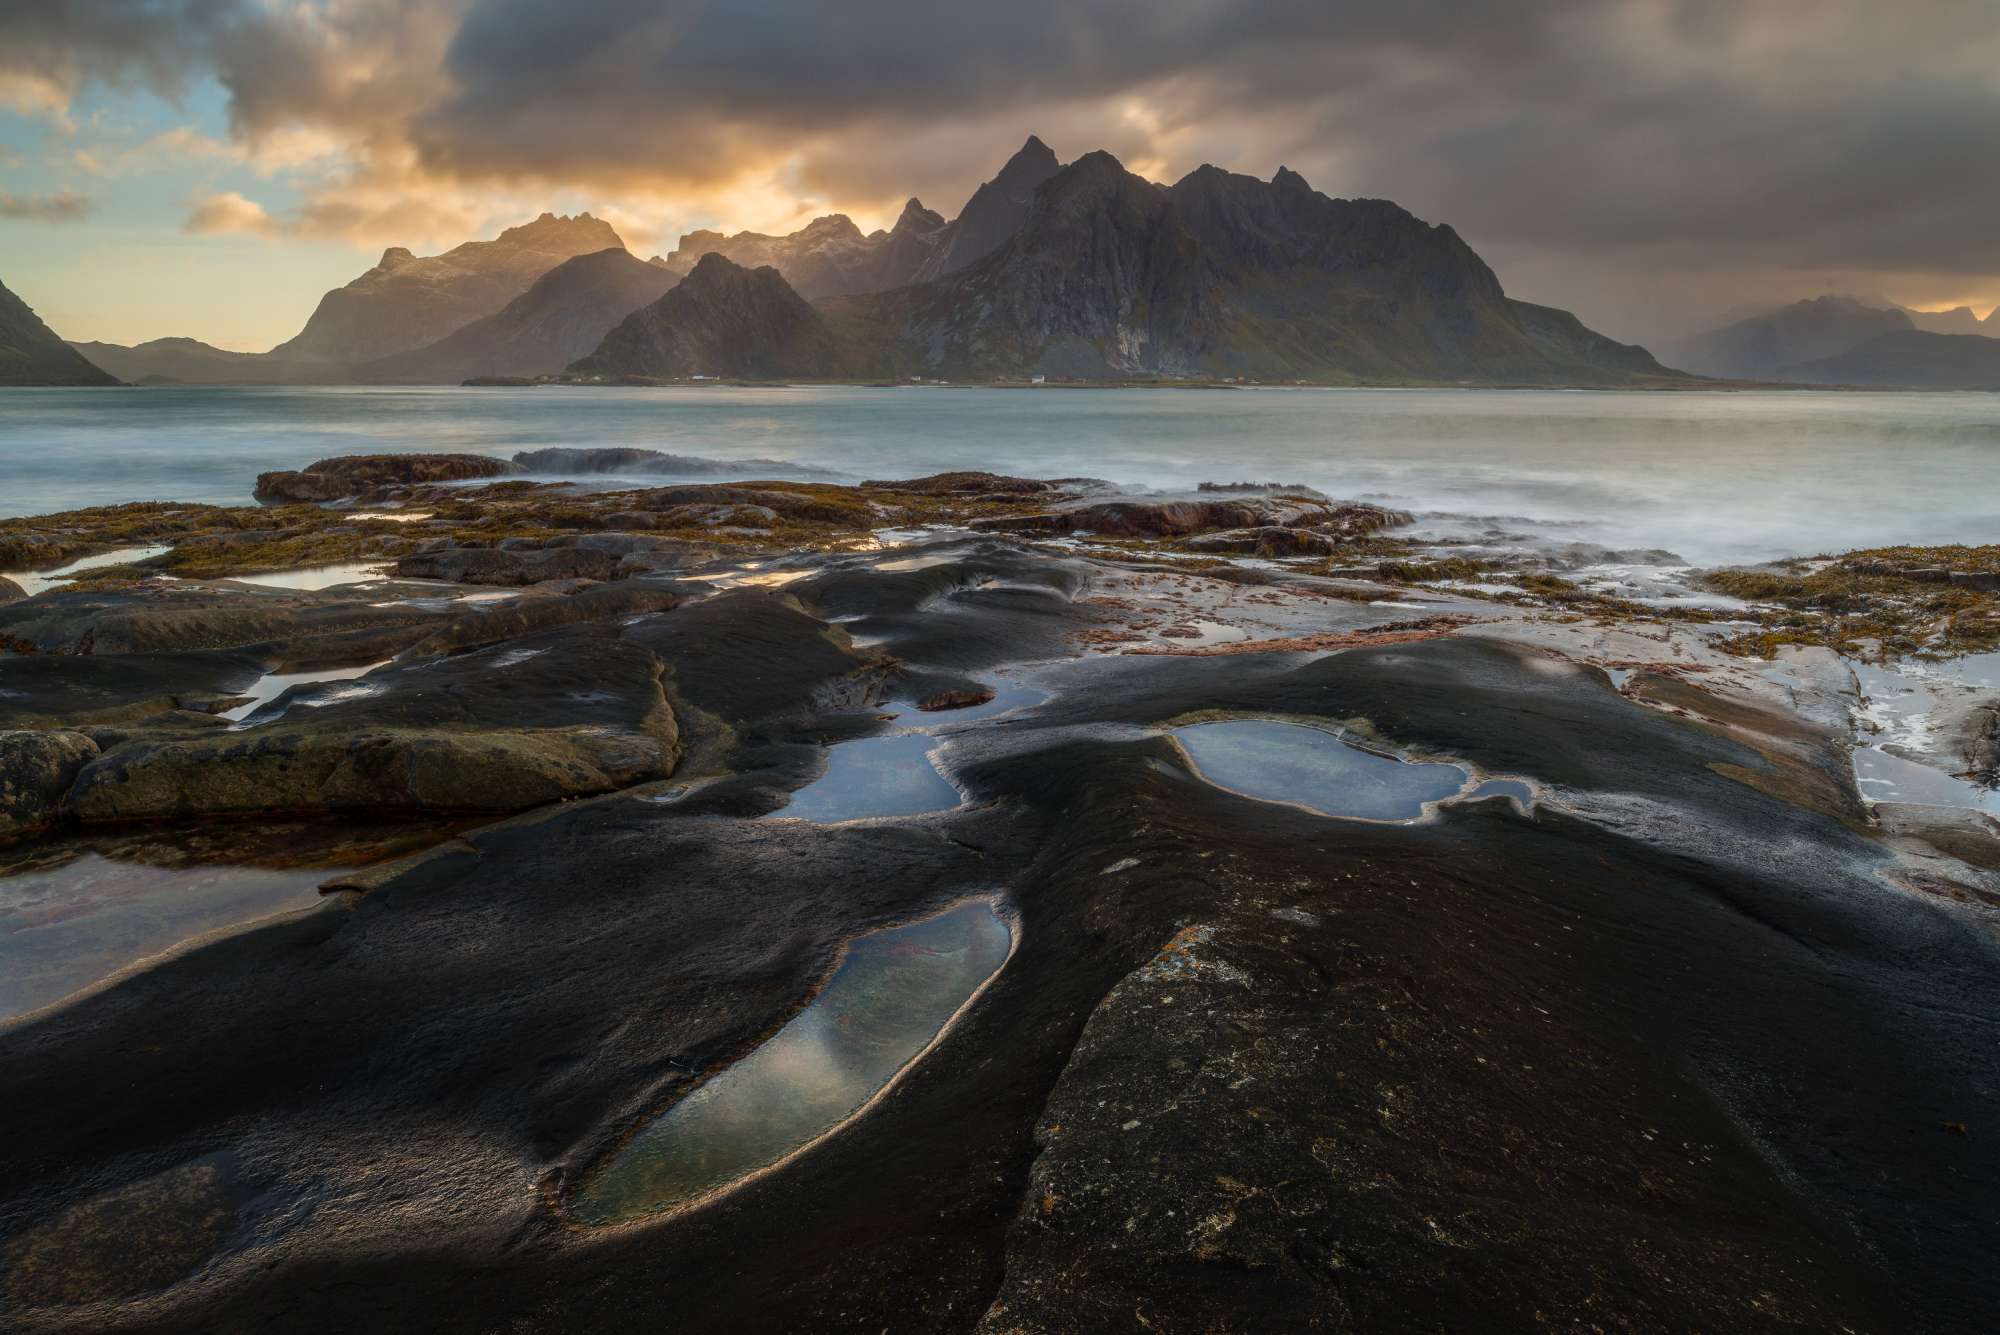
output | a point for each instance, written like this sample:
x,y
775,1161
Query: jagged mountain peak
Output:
x,y
915,217
832,224
1287,179
578,235
1033,152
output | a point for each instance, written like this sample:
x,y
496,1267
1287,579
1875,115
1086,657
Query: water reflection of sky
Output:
x,y
64,928
893,993
1310,767
875,777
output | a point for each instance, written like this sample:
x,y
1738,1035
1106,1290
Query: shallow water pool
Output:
x,y
318,577
892,995
32,582
274,684
64,928
875,777
1314,768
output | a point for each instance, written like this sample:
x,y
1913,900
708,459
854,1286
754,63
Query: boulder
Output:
x,y
36,770
566,714
10,592
966,484
565,461
362,475
1184,519
1274,540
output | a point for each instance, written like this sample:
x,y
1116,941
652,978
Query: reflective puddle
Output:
x,y
750,578
1883,777
319,577
875,777
1310,767
33,582
65,928
274,684
891,997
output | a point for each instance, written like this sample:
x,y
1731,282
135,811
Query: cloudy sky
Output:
x,y
209,167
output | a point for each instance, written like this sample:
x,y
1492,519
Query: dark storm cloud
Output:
x,y
57,45
1816,133
1596,144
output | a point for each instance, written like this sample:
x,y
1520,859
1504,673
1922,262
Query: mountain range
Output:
x,y
1100,274
1851,341
1082,271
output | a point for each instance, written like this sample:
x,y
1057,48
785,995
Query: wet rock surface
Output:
x,y
366,476
1250,1066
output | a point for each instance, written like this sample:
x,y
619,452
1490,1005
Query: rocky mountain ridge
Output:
x,y
1111,276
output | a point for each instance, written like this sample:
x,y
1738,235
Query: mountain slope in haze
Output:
x,y
32,354
1761,347
1957,320
564,316
993,215
722,320
407,302
1909,359
830,257
827,257
187,361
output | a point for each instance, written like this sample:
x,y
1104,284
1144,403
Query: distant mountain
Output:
x,y
1762,347
187,361
564,316
906,248
1111,276
406,302
994,214
1909,358
32,354
722,320
1957,320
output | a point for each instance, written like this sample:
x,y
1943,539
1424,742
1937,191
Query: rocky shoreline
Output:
x,y
1693,1036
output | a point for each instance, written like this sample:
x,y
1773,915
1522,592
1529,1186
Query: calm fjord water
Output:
x,y
1714,476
